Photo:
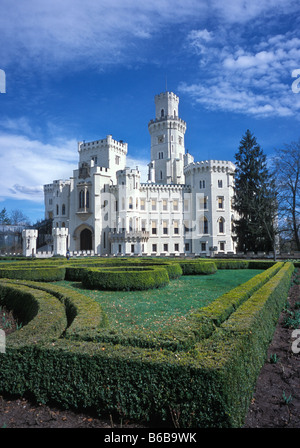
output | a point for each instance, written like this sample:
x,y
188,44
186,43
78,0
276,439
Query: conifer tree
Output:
x,y
254,198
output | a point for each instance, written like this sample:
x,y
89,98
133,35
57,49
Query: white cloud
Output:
x,y
55,33
242,77
26,165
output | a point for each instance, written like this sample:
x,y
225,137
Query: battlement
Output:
x,y
166,96
210,165
103,144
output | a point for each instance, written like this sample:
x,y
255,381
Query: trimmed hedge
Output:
x,y
42,315
82,313
198,267
208,384
36,273
124,278
198,325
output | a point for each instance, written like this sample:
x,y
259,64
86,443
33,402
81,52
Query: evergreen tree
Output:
x,y
4,218
254,198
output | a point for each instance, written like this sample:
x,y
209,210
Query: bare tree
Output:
x,y
286,169
17,217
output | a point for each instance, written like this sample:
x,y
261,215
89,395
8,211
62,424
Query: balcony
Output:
x,y
128,235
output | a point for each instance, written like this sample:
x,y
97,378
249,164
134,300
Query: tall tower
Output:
x,y
167,141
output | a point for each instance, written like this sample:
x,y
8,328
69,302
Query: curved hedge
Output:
x,y
82,312
125,278
43,317
209,385
35,273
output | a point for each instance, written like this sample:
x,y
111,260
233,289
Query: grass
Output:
x,y
152,310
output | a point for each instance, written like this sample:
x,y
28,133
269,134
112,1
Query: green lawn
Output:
x,y
152,310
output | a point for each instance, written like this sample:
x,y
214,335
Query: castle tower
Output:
x,y
29,237
167,141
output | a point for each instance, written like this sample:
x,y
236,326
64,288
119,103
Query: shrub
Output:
x,y
82,313
42,315
198,267
209,384
36,273
124,278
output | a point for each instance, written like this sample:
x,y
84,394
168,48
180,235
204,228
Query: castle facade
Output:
x,y
185,207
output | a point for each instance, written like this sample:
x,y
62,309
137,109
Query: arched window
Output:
x,y
203,225
162,113
63,209
57,210
81,199
161,175
221,225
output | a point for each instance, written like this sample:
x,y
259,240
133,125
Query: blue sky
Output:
x,y
82,70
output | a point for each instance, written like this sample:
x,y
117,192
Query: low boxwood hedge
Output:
x,y
124,278
199,324
198,267
82,313
42,316
208,384
36,273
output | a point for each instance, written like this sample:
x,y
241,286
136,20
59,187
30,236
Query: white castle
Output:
x,y
184,208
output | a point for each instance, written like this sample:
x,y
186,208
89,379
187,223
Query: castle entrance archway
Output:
x,y
86,240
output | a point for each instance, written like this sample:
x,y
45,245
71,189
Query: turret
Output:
x,y
167,141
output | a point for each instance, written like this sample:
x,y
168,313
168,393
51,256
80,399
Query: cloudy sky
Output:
x,y
79,70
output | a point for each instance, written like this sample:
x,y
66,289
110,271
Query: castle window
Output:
x,y
162,113
165,204
142,202
203,247
220,202
160,174
154,248
220,183
165,227
165,247
176,228
222,246
175,205
153,204
221,225
57,209
153,228
130,204
84,199
81,199
63,209
203,203
117,160
176,247
203,225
